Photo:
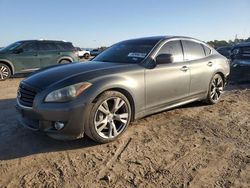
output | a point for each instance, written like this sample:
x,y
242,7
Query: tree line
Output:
x,y
220,43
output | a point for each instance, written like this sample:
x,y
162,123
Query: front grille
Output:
x,y
26,95
245,52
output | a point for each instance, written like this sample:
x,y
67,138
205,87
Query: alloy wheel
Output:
x,y
4,72
216,88
111,117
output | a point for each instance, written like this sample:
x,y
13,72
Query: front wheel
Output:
x,y
5,72
64,61
109,117
216,88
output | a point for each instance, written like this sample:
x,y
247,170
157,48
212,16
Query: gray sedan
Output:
x,y
128,81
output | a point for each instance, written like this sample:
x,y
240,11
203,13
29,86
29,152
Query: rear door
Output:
x,y
27,60
48,53
201,66
168,83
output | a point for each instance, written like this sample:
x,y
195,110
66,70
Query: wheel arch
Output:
x,y
9,64
126,93
64,58
222,76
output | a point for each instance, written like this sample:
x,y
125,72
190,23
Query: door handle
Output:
x,y
210,64
184,68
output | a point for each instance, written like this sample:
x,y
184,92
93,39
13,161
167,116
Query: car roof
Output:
x,y
43,41
160,38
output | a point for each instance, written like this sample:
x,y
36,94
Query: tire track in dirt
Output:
x,y
116,157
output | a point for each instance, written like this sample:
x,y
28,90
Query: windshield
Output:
x,y
11,46
133,51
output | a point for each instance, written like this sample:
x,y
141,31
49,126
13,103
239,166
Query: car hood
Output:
x,y
46,77
2,51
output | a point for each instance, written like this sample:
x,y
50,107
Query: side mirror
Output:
x,y
164,59
18,51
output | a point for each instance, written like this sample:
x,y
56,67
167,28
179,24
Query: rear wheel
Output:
x,y
5,72
109,117
86,56
216,88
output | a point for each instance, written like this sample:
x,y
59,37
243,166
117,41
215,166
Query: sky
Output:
x,y
104,22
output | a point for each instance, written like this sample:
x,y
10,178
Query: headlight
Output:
x,y
67,93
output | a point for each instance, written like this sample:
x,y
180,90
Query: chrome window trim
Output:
x,y
180,39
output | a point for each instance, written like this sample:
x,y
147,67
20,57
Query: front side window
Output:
x,y
174,48
133,51
12,46
192,50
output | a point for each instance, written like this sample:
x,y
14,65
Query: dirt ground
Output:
x,y
191,146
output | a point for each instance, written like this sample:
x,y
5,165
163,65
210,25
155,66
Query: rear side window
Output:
x,y
192,50
47,46
174,48
30,47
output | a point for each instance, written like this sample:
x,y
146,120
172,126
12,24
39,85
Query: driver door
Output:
x,y
27,57
168,83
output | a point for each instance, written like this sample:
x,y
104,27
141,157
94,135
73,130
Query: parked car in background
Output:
x,y
240,59
95,52
128,81
30,55
82,53
225,51
241,51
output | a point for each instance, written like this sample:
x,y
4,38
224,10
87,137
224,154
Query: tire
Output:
x,y
64,61
5,72
86,56
215,91
109,117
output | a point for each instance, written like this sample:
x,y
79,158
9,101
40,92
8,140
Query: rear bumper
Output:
x,y
73,117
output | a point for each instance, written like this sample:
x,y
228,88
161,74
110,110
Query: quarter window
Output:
x,y
207,50
174,48
66,46
192,50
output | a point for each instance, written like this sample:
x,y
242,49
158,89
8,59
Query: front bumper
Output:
x,y
73,115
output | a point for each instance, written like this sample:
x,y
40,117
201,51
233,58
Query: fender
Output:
x,y
132,88
10,64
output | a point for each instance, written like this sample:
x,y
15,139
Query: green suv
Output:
x,y
30,55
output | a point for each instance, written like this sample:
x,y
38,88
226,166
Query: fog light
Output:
x,y
58,125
